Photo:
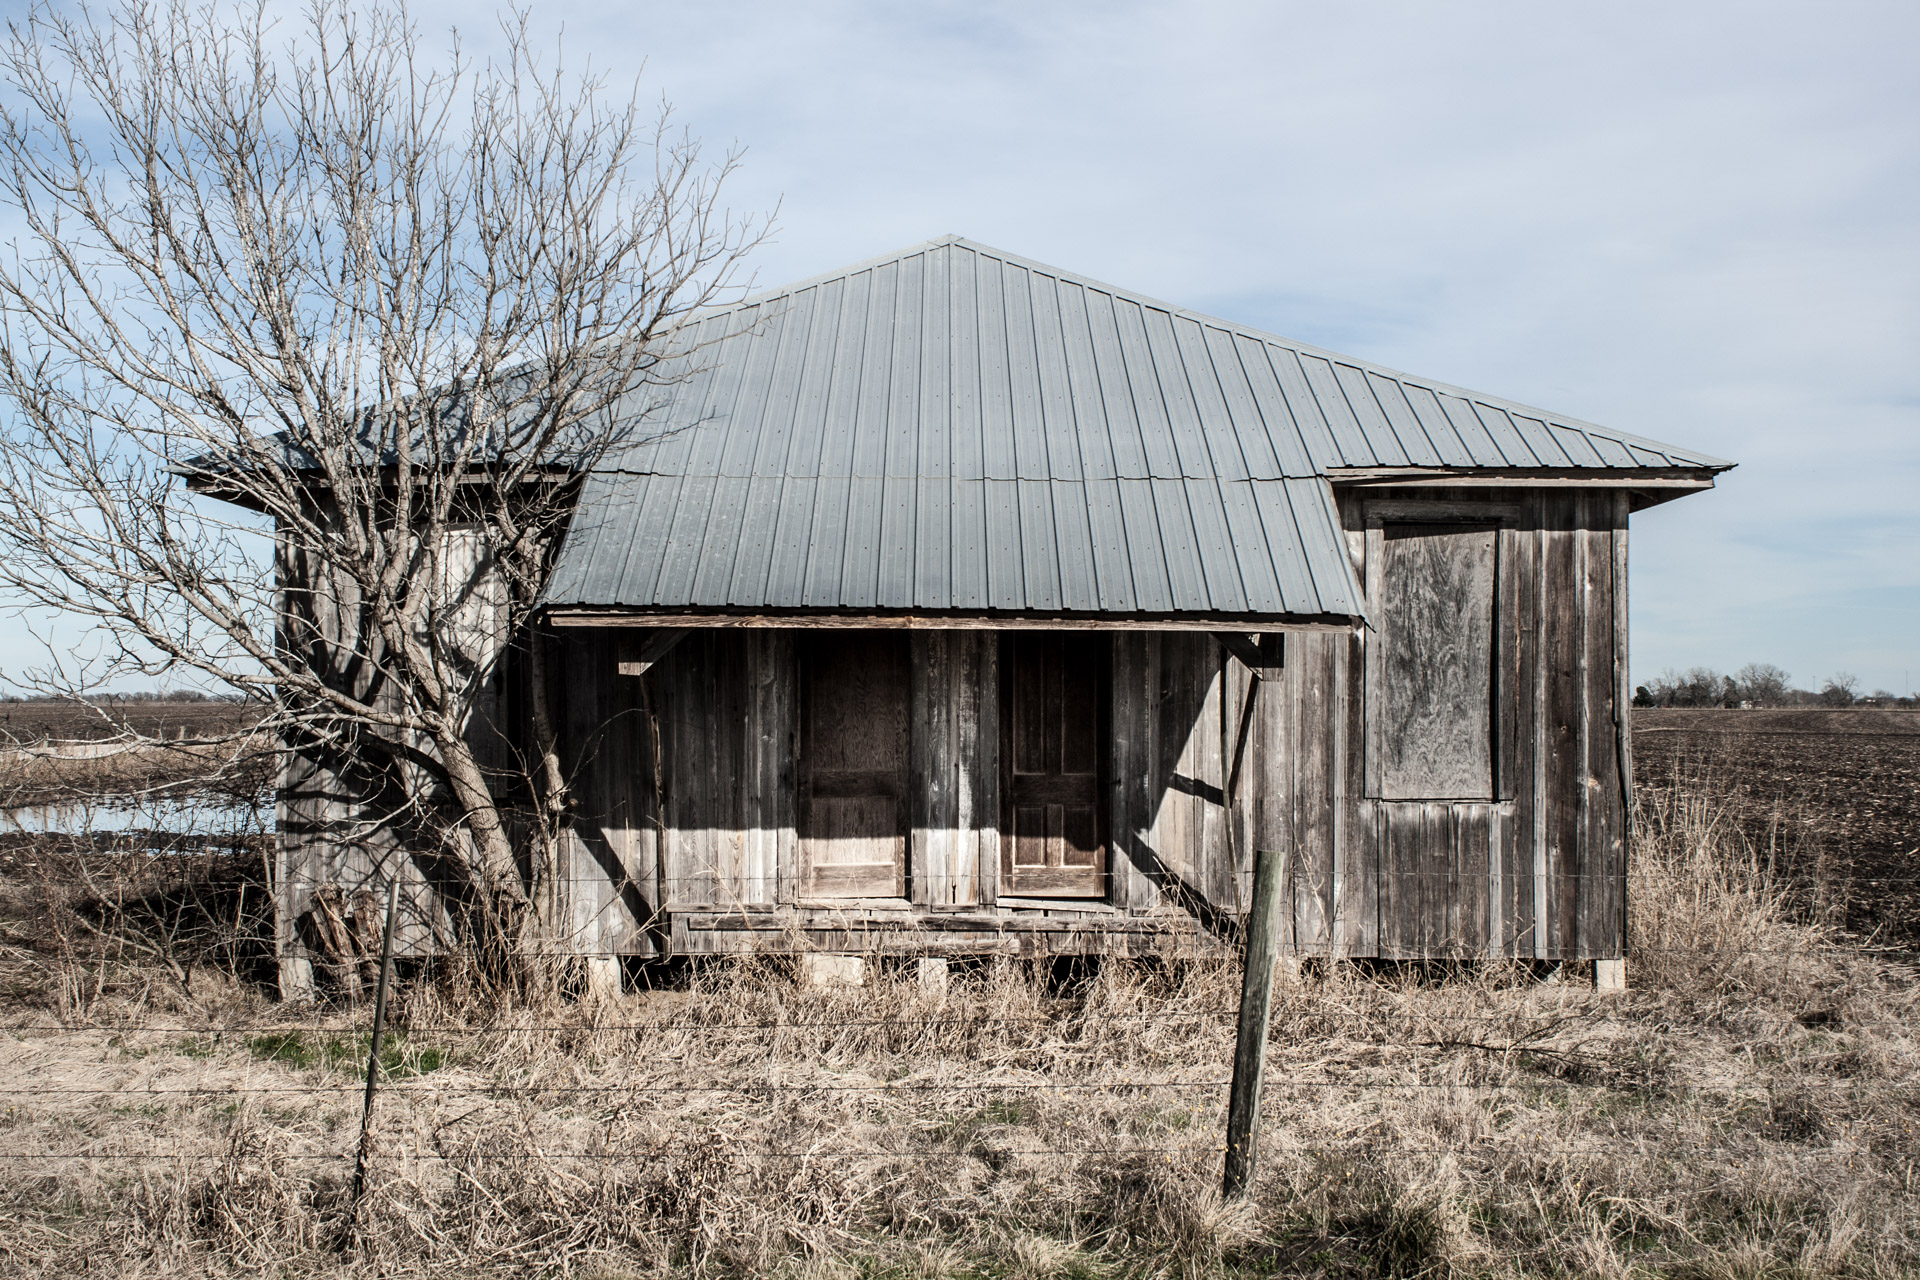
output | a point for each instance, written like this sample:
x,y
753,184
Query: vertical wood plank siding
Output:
x,y
1540,871
955,771
688,776
339,824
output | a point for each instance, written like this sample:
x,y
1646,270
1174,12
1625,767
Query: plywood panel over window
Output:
x,y
1053,842
1433,734
853,837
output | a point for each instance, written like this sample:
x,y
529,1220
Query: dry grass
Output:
x,y
1748,1108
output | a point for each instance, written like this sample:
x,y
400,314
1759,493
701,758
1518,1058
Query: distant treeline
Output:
x,y
118,699
1758,684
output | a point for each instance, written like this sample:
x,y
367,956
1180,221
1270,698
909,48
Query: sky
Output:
x,y
1698,222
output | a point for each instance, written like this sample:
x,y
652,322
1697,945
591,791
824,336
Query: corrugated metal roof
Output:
x,y
941,544
955,429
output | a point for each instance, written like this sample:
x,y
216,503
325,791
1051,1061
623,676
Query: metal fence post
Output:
x,y
1256,1008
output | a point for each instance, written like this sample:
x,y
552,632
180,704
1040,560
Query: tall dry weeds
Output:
x,y
1747,1108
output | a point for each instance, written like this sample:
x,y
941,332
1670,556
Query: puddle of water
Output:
x,y
187,815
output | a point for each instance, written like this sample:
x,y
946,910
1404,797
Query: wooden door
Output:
x,y
1053,816
853,751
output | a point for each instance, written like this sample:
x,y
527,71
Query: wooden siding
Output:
x,y
688,832
955,768
343,826
854,734
1167,816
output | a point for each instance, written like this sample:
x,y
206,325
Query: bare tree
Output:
x,y
1762,684
305,300
1840,689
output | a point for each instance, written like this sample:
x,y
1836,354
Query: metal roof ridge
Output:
x,y
1205,319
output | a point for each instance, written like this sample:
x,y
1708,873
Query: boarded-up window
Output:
x,y
1433,708
1052,838
853,810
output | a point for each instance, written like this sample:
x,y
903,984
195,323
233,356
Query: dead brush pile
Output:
x,y
1747,1108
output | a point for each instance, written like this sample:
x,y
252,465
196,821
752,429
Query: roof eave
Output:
x,y
1683,479
578,615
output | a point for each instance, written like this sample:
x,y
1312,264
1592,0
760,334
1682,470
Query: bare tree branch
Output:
x,y
306,340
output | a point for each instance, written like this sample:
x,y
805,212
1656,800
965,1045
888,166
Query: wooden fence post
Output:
x,y
373,1063
1256,1008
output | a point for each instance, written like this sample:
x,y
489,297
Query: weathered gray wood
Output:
x,y
1312,743
1468,917
1623,735
983,770
1374,692
854,751
1451,508
1562,710
1257,653
1053,839
1214,876
1130,745
1436,640
1172,830
1400,832
1239,727
1256,1013
588,866
343,825
656,644
1523,857
473,607
771,753
1259,794
948,784
931,783
1603,826
1190,831
1357,841
1199,771
725,742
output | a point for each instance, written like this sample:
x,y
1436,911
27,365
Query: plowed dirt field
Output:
x,y
1835,793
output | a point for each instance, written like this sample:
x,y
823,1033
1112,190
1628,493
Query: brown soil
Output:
x,y
29,722
1834,795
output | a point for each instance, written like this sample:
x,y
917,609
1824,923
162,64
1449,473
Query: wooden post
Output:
x,y
1256,1009
373,1062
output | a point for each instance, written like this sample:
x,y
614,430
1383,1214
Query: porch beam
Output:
x,y
655,647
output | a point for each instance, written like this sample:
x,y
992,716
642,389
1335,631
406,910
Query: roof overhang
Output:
x,y
846,619
1647,487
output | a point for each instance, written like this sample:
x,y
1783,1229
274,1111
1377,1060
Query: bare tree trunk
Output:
x,y
553,792
500,872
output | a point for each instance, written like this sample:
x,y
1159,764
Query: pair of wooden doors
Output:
x,y
856,738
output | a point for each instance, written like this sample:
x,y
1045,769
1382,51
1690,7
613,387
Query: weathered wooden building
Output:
x,y
958,604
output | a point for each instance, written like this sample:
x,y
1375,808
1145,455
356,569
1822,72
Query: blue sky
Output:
x,y
1697,222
